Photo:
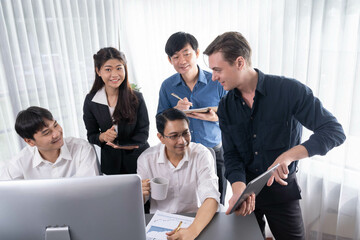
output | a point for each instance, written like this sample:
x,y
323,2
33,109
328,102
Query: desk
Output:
x,y
227,227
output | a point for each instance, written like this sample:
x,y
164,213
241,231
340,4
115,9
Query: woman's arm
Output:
x,y
91,124
141,132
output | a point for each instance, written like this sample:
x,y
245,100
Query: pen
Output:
x,y
178,227
174,95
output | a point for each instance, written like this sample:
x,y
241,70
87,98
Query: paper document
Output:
x,y
201,110
163,222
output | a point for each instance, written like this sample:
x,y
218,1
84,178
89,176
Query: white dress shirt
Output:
x,y
77,159
190,183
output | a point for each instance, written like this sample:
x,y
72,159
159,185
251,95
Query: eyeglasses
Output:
x,y
176,137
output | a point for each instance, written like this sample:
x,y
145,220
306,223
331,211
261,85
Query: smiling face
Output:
x,y
229,76
184,61
49,138
112,73
176,138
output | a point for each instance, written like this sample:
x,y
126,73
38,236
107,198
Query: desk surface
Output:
x,y
227,227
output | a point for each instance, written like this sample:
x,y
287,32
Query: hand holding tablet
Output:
x,y
123,146
253,187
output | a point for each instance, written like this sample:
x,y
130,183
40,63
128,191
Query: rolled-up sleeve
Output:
x,y
327,131
207,180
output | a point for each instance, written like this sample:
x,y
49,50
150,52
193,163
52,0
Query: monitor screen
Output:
x,y
92,208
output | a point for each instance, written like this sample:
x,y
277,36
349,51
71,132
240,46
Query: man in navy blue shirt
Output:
x,y
196,90
261,120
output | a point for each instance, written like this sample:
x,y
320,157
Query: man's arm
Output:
x,y
247,207
145,186
142,171
164,102
296,153
327,131
13,169
234,165
6,175
204,215
88,165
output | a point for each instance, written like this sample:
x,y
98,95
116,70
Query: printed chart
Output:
x,y
162,222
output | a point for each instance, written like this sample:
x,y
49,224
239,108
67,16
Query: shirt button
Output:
x,y
256,153
256,170
243,103
254,135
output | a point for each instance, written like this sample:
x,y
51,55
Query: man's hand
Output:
x,y
284,160
281,171
182,234
247,207
208,116
109,135
145,185
183,104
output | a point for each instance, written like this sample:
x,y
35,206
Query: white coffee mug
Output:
x,y
159,188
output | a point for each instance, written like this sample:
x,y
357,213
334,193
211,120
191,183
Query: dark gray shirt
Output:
x,y
254,138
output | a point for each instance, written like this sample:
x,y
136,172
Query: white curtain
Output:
x,y
314,41
46,60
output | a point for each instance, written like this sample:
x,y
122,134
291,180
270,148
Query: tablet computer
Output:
x,y
201,110
254,186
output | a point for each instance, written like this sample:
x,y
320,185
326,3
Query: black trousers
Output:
x,y
284,219
220,168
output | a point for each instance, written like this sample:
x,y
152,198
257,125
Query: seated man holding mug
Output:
x,y
188,170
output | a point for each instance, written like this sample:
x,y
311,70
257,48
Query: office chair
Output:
x,y
214,156
98,157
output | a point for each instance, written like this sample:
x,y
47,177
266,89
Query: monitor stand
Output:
x,y
57,233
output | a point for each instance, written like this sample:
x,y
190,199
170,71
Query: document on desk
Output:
x,y
163,222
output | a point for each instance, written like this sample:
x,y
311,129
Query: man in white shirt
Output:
x,y
48,154
190,169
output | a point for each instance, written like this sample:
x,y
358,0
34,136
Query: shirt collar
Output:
x,y
100,97
260,87
64,154
261,83
163,159
178,79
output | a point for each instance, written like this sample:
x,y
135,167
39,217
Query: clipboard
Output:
x,y
254,187
201,110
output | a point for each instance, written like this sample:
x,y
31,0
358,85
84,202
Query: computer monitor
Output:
x,y
92,208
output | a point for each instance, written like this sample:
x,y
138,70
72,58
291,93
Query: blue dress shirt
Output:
x,y
254,137
206,93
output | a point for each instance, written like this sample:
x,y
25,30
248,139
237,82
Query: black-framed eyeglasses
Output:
x,y
176,137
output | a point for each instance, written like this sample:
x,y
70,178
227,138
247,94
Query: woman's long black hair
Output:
x,y
127,102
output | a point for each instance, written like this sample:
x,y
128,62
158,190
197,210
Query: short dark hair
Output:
x,y
30,121
232,45
178,40
170,114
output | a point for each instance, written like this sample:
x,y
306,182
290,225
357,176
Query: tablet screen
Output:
x,y
254,186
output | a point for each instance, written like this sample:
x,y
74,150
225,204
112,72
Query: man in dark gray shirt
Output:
x,y
261,120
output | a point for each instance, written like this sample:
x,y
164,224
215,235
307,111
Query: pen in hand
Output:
x,y
178,227
174,95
